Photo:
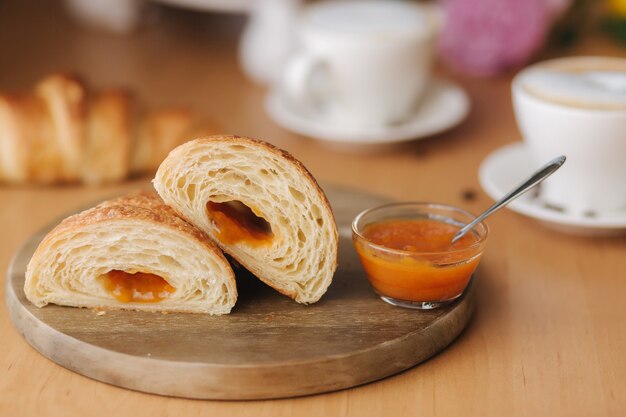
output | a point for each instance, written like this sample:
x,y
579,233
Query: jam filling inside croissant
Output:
x,y
139,287
237,222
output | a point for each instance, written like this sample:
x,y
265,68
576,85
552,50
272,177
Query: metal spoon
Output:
x,y
535,179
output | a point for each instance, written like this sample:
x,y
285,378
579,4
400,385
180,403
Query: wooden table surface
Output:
x,y
548,336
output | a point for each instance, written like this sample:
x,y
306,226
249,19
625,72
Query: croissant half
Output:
x,y
131,253
260,205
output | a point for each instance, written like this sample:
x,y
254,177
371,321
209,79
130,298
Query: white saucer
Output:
x,y
510,165
445,105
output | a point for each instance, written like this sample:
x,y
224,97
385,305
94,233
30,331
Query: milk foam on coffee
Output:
x,y
586,88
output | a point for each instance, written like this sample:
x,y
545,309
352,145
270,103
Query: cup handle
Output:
x,y
299,76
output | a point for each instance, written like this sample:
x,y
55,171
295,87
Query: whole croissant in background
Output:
x,y
61,132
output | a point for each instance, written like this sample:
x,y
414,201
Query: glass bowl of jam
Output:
x,y
406,252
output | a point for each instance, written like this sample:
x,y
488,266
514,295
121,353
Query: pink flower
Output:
x,y
489,36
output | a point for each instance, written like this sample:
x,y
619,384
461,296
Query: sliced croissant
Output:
x,y
130,253
260,205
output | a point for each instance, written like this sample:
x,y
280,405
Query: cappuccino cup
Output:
x,y
362,64
577,107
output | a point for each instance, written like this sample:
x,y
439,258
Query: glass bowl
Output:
x,y
406,254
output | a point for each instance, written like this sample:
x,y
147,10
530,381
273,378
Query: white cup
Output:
x,y
562,112
362,63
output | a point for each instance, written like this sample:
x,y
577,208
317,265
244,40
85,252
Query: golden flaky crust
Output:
x,y
133,233
140,205
109,137
159,132
299,262
28,149
65,96
158,212
62,131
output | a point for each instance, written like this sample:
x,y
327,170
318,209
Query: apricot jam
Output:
x,y
139,287
413,260
416,235
237,222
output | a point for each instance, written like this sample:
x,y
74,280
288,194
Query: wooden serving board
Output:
x,y
268,347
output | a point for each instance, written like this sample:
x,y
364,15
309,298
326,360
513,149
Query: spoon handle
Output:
x,y
535,179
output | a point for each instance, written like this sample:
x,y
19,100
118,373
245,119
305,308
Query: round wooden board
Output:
x,y
268,347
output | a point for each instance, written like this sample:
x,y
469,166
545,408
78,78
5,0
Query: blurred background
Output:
x,y
218,60
189,52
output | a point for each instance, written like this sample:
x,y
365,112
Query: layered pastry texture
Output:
x,y
260,205
135,253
